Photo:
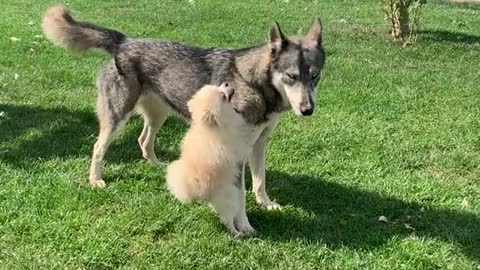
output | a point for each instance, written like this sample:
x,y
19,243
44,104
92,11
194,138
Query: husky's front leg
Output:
x,y
257,168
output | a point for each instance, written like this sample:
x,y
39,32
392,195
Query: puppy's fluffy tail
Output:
x,y
63,30
179,183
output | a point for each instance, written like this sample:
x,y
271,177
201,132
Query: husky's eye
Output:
x,y
315,75
292,76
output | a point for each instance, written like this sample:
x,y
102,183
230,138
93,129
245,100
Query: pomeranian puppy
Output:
x,y
212,155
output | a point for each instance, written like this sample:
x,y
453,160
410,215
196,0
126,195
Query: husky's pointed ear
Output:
x,y
276,39
275,33
315,33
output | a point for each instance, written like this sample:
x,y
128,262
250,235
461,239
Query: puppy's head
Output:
x,y
211,106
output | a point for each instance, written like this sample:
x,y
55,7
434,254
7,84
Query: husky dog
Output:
x,y
212,155
158,77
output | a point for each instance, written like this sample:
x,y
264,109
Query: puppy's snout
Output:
x,y
230,94
307,109
227,90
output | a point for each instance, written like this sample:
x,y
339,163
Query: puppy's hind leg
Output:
x,y
154,112
225,202
241,220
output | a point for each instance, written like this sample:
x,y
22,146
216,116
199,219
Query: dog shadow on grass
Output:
x,y
30,134
338,216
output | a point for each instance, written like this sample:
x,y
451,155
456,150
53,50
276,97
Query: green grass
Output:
x,y
396,133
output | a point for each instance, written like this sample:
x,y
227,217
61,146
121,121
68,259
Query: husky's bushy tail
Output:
x,y
63,30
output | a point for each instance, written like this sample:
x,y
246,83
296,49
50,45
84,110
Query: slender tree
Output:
x,y
403,17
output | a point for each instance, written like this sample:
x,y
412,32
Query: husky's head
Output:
x,y
296,67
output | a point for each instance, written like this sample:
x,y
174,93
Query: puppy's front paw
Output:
x,y
227,90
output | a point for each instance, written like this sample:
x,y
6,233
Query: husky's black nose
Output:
x,y
306,110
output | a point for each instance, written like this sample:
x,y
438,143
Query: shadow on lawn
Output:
x,y
448,36
29,134
472,5
342,216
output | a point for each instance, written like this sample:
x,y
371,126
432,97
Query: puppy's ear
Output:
x,y
189,106
209,119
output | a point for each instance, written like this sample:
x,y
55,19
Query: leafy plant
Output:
x,y
403,16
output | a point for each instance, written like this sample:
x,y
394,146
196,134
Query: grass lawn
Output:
x,y
396,133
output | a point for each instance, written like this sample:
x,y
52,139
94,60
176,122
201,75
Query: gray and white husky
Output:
x,y
157,77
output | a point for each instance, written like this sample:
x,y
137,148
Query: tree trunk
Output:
x,y
403,29
396,11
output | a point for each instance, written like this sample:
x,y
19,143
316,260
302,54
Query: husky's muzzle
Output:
x,y
307,110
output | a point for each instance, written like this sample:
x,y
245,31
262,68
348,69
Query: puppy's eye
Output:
x,y
315,75
292,76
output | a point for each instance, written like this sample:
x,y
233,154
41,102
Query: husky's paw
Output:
x,y
244,234
243,225
240,231
99,183
154,161
151,158
267,203
245,229
233,231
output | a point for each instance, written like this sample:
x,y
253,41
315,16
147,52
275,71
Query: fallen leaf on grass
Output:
x,y
382,219
465,203
408,227
31,51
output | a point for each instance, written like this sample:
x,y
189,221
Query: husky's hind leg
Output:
x,y
116,99
154,112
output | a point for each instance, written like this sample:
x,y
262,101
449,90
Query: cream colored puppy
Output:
x,y
212,154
